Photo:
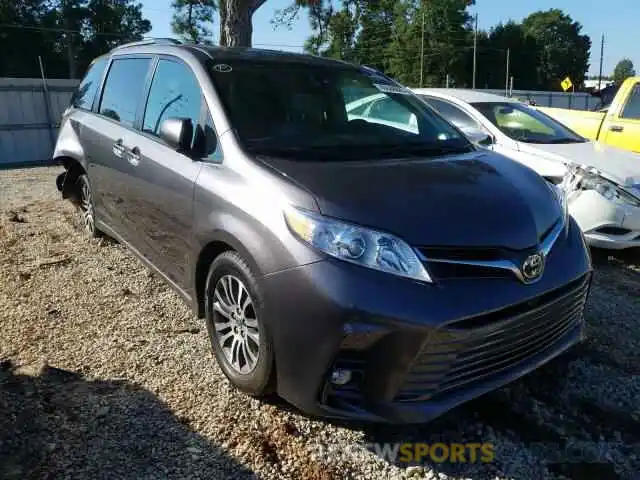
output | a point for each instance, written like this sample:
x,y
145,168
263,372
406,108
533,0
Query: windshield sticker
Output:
x,y
392,89
222,68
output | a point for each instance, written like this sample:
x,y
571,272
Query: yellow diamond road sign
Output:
x,y
566,84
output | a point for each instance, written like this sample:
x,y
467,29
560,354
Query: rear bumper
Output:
x,y
405,342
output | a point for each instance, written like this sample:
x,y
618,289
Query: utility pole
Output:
x,y
601,56
506,82
422,50
475,48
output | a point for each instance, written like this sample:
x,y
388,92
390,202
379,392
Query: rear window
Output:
x,y
86,92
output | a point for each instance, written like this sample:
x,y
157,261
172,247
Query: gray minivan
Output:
x,y
358,269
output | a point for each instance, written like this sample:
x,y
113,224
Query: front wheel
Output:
x,y
239,336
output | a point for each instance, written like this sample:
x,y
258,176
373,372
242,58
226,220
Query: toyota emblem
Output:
x,y
532,267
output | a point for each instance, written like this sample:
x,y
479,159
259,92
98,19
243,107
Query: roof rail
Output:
x,y
150,41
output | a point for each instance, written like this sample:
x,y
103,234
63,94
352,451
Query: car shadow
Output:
x,y
54,423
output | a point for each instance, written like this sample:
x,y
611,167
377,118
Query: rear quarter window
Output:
x,y
86,92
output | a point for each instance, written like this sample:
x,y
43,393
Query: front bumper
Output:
x,y
604,223
415,350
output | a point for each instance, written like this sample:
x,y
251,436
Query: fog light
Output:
x,y
340,376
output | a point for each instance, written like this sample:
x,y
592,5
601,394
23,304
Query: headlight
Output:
x,y
580,178
355,244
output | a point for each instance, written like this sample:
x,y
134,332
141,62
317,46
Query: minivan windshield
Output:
x,y
330,113
526,124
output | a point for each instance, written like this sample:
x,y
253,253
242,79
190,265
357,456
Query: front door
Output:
x,y
622,126
164,179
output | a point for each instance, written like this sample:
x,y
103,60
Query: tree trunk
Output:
x,y
236,28
235,23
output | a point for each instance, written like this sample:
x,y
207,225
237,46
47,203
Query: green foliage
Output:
x,y
562,49
624,69
492,57
191,19
67,34
392,35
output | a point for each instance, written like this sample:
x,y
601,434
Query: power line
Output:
x,y
58,30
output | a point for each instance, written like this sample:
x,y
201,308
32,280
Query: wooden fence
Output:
x,y
30,113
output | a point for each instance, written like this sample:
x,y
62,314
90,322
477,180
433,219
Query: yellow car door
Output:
x,y
621,127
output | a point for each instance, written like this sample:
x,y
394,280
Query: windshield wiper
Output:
x,y
359,152
565,140
409,150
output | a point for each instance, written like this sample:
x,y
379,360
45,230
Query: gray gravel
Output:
x,y
104,373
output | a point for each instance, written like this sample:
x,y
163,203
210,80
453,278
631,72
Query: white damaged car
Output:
x,y
603,182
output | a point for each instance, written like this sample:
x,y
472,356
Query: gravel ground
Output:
x,y
105,373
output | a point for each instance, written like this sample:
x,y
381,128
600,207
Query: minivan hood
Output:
x,y
479,199
615,164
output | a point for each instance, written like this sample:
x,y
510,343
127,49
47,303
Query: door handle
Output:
x,y
616,128
134,156
118,149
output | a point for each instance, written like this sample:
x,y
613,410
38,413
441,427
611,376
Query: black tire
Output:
x,y
86,206
260,378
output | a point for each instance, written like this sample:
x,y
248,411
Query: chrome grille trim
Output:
x,y
545,248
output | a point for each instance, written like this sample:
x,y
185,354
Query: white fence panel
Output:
x,y
29,119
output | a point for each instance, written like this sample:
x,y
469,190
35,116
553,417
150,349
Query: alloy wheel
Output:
x,y
236,324
86,206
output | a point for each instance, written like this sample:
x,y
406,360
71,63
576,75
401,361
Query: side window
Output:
x,y
452,113
124,88
174,93
632,108
86,92
389,110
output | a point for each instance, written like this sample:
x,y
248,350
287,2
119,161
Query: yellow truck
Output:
x,y
617,124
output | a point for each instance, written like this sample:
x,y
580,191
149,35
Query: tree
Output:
x,y
108,24
387,34
66,34
562,49
190,19
624,69
236,28
23,45
492,57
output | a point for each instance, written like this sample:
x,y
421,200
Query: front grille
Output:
x,y
455,356
445,271
477,262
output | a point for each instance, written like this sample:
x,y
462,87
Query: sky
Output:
x,y
616,19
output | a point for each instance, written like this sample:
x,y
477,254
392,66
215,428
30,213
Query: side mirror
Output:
x,y
178,133
479,137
